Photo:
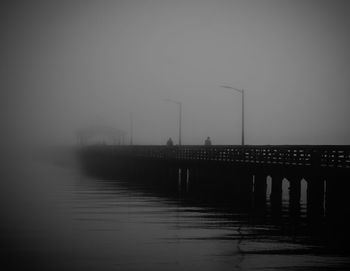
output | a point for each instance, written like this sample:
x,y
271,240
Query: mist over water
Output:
x,y
64,219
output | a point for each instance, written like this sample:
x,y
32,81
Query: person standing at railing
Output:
x,y
170,142
207,152
207,142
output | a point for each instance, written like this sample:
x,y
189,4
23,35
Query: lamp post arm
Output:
x,y
236,89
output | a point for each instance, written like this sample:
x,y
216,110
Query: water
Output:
x,y
59,219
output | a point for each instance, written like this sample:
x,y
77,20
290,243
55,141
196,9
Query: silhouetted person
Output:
x,y
170,142
207,142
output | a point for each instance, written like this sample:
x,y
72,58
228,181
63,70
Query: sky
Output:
x,y
67,65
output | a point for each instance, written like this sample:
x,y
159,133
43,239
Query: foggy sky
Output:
x,y
71,64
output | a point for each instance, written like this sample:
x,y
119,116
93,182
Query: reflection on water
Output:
x,y
72,222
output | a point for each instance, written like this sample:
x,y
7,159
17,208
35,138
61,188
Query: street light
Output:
x,y
180,115
242,92
131,128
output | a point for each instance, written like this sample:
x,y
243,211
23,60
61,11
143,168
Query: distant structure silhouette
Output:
x,y
207,142
170,142
104,133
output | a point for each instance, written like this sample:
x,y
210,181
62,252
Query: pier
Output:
x,y
238,173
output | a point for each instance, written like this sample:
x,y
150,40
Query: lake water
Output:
x,y
56,218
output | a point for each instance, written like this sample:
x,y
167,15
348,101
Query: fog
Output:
x,y
67,65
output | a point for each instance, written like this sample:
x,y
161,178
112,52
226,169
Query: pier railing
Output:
x,y
286,155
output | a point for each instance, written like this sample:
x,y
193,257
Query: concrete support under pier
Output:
x,y
338,199
260,185
315,196
276,194
294,196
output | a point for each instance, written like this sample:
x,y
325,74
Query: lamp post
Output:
x,y
180,115
242,92
131,128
